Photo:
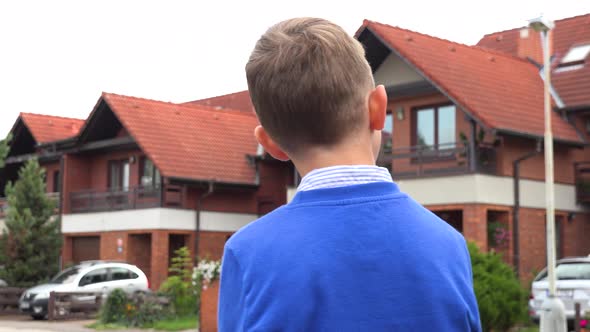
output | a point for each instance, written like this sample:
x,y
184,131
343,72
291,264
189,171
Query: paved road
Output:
x,y
26,324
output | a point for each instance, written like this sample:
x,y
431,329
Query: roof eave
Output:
x,y
540,137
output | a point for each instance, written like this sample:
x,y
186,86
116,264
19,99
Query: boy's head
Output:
x,y
310,84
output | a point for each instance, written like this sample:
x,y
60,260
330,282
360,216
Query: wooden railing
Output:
x,y
443,159
582,179
9,297
66,305
127,199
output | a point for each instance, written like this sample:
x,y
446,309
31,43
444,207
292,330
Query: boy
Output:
x,y
350,252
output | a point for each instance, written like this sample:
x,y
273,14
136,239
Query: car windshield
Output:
x,y
66,276
569,271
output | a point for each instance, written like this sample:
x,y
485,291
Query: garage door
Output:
x,y
85,248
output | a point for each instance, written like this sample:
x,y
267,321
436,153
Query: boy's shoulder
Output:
x,y
256,230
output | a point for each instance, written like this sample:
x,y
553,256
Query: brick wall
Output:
x,y
532,227
211,244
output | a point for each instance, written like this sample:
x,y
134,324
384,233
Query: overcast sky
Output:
x,y
56,57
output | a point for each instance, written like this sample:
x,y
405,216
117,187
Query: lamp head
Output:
x,y
541,24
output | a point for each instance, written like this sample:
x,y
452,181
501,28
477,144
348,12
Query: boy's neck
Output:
x,y
321,157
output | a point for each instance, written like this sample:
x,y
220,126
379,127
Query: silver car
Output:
x,y
94,276
572,284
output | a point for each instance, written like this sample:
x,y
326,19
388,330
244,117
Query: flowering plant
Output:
x,y
498,234
206,272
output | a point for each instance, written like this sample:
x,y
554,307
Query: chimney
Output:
x,y
529,45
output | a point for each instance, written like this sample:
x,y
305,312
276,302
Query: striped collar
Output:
x,y
341,176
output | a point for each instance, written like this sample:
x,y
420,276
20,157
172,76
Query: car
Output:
x,y
572,286
91,276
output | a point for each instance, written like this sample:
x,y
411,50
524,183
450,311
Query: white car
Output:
x,y
93,276
572,284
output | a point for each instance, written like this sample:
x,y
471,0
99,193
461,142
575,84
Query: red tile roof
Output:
x,y
190,141
237,101
572,86
48,128
502,91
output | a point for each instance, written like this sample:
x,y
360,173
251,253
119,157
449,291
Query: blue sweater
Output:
x,y
357,258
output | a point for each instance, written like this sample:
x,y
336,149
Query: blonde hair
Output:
x,y
308,80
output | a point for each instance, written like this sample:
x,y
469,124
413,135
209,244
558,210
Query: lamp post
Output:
x,y
553,311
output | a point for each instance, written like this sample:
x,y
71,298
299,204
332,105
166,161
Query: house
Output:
x,y
28,133
140,178
467,130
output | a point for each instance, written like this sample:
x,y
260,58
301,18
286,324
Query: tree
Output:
x,y
4,150
31,242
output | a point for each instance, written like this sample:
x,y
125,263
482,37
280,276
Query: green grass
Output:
x,y
533,328
172,324
178,324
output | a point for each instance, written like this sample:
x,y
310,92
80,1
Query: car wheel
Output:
x,y
38,317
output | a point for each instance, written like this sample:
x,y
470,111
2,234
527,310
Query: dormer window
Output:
x,y
575,57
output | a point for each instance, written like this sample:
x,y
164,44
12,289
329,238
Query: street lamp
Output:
x,y
553,311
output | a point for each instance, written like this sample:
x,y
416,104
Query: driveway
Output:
x,y
19,323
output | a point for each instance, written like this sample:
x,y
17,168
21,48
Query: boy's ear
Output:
x,y
269,144
377,108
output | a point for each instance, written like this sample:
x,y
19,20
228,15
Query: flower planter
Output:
x,y
208,312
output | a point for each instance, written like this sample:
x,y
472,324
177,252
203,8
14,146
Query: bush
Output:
x,y
500,296
116,308
182,294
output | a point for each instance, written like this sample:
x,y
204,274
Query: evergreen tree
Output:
x,y
31,242
4,151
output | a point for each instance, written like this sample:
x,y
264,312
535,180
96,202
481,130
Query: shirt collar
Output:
x,y
341,176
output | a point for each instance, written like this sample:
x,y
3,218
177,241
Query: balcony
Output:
x,y
582,179
437,160
127,199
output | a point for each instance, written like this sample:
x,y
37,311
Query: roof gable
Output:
x,y
502,91
191,142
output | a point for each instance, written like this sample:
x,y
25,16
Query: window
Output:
x,y
576,55
119,174
435,127
55,182
94,277
387,133
150,175
120,273
569,271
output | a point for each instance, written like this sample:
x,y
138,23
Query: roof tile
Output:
x,y
506,93
193,142
48,128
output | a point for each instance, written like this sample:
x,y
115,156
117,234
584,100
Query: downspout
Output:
x,y
516,209
200,199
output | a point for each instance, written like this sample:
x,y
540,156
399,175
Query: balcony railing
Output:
x,y
437,160
4,203
127,198
582,174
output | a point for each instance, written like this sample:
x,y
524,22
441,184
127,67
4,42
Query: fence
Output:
x,y
9,297
66,305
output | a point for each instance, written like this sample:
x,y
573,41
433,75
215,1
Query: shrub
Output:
x,y
182,295
500,296
116,309
148,310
